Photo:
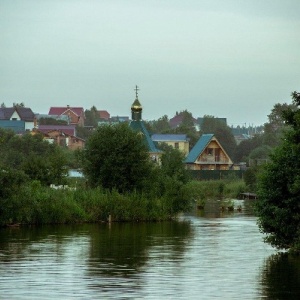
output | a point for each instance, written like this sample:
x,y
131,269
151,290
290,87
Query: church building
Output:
x,y
137,125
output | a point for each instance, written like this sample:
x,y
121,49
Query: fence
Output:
x,y
216,174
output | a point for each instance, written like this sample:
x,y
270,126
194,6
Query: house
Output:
x,y
179,118
208,154
17,118
104,115
63,135
177,141
75,114
137,125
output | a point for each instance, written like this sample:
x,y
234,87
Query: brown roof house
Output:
x,y
63,135
75,114
208,154
104,115
179,118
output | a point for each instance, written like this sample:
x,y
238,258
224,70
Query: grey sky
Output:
x,y
226,58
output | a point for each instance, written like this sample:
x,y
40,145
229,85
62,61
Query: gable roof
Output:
x,y
24,113
198,148
104,114
61,110
67,129
177,120
169,137
139,126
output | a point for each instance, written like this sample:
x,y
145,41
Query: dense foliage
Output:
x,y
34,156
116,157
278,207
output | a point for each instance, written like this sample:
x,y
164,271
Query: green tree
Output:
x,y
278,207
92,117
52,121
116,157
244,149
259,155
274,129
34,156
159,126
172,163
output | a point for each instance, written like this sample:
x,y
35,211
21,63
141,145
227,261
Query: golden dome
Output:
x,y
136,105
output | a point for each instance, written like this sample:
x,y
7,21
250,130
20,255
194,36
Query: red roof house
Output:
x,y
75,114
103,114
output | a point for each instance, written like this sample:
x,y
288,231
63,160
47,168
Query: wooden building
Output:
x,y
208,154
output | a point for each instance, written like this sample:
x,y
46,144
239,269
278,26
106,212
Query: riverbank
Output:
x,y
201,191
36,204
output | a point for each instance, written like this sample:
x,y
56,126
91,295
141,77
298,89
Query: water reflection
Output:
x,y
281,277
125,248
210,254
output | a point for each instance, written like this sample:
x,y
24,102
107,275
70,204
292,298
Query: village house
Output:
x,y
179,118
177,141
76,114
18,118
104,115
62,135
208,154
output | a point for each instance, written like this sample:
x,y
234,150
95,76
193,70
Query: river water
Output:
x,y
205,255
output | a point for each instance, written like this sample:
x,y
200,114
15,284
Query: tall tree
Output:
x,y
116,157
273,130
92,117
159,126
279,187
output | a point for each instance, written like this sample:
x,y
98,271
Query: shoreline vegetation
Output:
x,y
35,204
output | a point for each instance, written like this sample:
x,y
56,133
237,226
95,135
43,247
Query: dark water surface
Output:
x,y
207,255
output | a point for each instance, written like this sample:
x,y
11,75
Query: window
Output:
x,y
209,151
176,145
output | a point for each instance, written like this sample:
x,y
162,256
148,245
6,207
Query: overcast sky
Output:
x,y
226,58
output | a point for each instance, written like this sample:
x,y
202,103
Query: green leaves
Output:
x,y
278,207
116,158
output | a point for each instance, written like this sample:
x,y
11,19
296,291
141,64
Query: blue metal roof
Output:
x,y
140,127
169,137
198,148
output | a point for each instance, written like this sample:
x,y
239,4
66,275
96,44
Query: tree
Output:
x,y
161,125
21,104
172,163
34,156
92,117
278,207
52,121
116,157
274,129
244,149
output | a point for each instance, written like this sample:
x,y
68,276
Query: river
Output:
x,y
204,255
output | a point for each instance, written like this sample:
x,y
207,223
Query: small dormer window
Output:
x,y
14,119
